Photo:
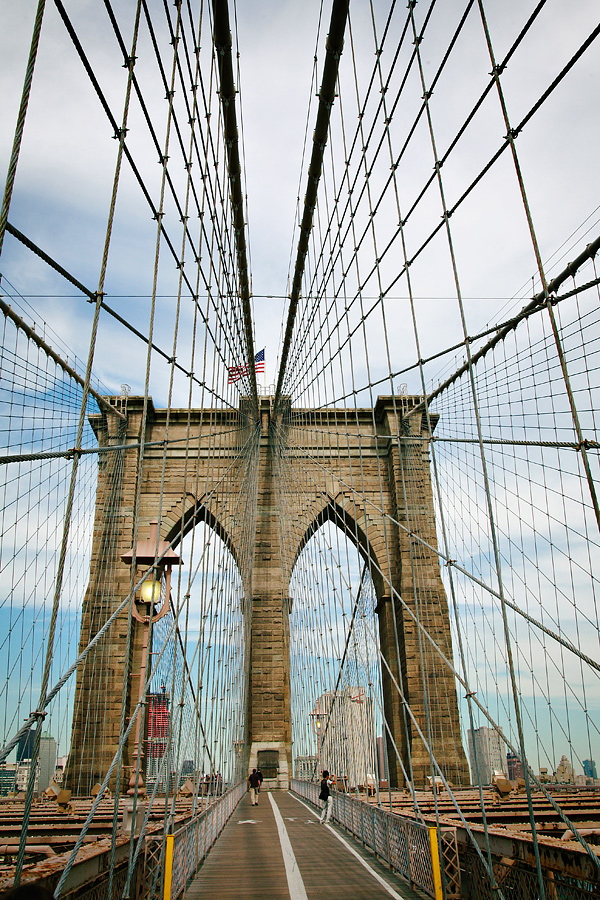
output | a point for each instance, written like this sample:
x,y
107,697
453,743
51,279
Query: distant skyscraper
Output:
x,y
589,769
382,772
306,768
564,772
7,779
347,734
515,766
486,754
25,745
47,761
158,732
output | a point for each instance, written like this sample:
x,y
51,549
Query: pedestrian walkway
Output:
x,y
279,851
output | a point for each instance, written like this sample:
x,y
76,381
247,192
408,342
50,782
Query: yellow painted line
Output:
x,y
435,864
168,867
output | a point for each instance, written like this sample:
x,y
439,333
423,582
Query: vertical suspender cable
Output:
x,y
223,43
16,148
334,46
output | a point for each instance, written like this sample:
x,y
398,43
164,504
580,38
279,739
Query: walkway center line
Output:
x,y
363,862
294,878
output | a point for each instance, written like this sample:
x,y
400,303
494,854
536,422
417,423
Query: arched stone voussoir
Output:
x,y
361,530
191,511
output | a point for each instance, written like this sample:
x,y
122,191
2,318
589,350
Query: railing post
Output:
x,y
168,867
408,854
435,864
386,819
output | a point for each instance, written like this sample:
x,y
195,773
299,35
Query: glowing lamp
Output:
x,y
162,558
150,590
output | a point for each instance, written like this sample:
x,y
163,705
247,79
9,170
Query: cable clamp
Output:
x,y
470,694
40,713
74,453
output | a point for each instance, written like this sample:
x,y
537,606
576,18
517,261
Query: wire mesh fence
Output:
x,y
404,844
170,863
517,881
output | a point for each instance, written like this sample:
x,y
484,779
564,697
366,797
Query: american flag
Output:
x,y
237,372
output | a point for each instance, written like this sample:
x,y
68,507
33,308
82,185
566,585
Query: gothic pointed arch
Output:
x,y
358,530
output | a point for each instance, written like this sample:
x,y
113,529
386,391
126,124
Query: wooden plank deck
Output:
x,y
247,861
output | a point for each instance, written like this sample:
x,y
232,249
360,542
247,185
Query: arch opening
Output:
x,y
336,686
200,684
339,517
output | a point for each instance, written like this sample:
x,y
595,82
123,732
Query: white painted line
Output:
x,y
294,878
363,862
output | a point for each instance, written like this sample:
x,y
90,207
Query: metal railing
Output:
x,y
424,856
517,881
184,850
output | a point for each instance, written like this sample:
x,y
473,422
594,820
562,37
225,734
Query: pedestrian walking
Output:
x,y
254,787
326,798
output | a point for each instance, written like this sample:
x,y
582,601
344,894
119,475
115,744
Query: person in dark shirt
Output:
x,y
254,786
326,798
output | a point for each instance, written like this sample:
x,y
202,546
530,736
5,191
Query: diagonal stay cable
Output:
x,y
537,303
92,298
12,743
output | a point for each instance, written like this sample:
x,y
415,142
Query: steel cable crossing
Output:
x,y
199,729
491,448
325,365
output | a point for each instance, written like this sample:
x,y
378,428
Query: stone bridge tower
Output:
x,y
378,494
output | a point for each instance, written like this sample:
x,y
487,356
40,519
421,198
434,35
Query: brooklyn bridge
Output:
x,y
299,391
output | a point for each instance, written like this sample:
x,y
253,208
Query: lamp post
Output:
x,y
159,555
317,726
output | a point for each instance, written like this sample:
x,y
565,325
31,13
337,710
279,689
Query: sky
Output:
x,y
65,170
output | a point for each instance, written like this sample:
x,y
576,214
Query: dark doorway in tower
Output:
x,y
268,763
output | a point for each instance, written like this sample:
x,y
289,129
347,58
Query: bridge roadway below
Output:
x,y
278,850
